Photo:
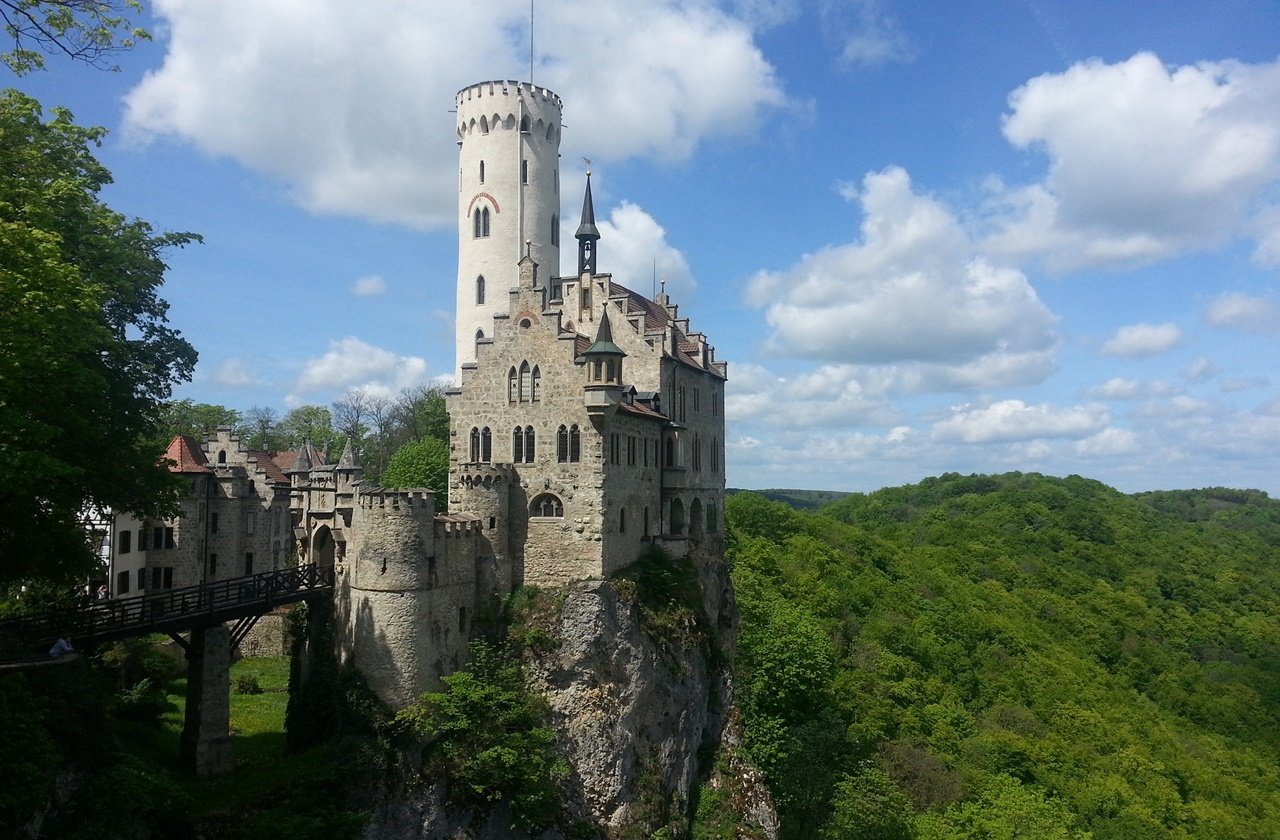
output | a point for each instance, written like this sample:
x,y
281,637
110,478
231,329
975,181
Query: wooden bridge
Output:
x,y
203,612
242,600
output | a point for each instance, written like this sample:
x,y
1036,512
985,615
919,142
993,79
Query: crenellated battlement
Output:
x,y
485,476
447,526
412,502
481,91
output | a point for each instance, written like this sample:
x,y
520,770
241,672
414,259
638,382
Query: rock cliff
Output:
x,y
635,670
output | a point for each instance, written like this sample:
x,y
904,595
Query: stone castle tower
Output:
x,y
508,197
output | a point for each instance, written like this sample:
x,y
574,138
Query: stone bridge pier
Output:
x,y
205,745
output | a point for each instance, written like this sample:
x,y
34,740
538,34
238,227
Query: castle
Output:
x,y
586,424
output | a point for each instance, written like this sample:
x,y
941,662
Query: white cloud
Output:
x,y
1109,442
911,294
1014,420
634,246
318,94
867,33
351,363
235,373
1119,388
370,285
831,396
1236,384
1202,369
1240,311
1138,340
1144,161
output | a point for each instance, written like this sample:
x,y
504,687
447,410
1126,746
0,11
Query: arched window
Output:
x,y
222,456
484,222
646,520
671,452
528,444
512,385
480,290
517,446
562,444
575,444
712,521
524,124
622,521
484,129
524,171
524,381
546,505
486,445
697,452
555,229
482,170
535,380
475,223
479,338
475,445
677,518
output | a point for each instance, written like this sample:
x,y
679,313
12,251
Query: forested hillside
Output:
x,y
1014,656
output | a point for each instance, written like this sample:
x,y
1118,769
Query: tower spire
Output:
x,y
587,234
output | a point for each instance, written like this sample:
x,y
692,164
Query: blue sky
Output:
x,y
927,236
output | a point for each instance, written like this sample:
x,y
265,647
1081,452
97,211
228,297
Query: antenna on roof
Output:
x,y
530,42
654,290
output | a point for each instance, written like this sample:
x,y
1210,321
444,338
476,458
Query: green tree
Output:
x,y
83,30
187,417
420,463
420,412
868,806
489,740
86,354
309,422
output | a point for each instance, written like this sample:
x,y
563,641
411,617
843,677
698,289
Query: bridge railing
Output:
x,y
173,610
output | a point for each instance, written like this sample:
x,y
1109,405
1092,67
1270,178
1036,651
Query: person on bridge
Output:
x,y
61,648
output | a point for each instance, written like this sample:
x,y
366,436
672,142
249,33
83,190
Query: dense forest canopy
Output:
x,y
1014,655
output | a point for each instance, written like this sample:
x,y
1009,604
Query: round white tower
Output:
x,y
508,194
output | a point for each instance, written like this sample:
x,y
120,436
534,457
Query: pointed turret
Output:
x,y
588,235
347,461
302,464
604,369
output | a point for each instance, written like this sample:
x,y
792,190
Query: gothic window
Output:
x,y
484,129
517,446
555,229
482,171
681,404
475,224
484,222
677,518
512,385
486,445
697,453
671,452
479,338
480,290
524,382
715,453
575,444
712,522
536,384
524,124
546,505
562,444
528,444
475,445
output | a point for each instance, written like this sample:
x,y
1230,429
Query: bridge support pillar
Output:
x,y
206,730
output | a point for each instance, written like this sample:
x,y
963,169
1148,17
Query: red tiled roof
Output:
x,y
641,410
184,455
267,463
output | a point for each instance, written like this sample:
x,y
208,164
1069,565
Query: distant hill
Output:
x,y
1013,655
798,499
